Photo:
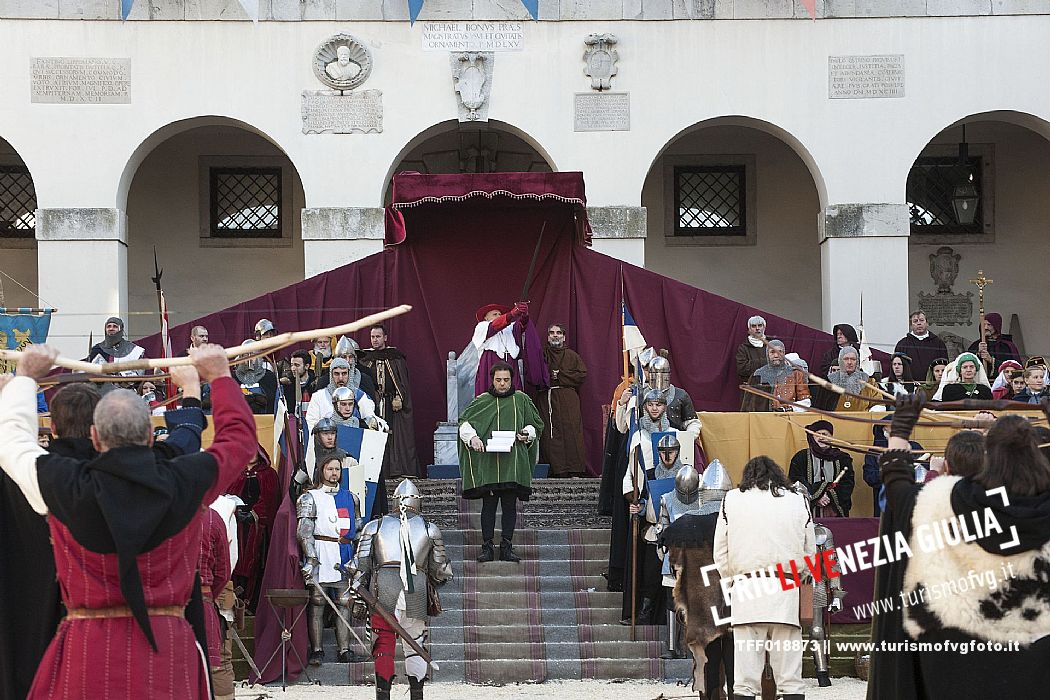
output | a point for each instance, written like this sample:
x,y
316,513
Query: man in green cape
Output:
x,y
490,472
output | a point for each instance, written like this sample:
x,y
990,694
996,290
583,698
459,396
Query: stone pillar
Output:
x,y
864,249
82,260
335,236
619,232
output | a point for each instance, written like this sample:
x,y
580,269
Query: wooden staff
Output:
x,y
886,400
257,348
853,417
635,527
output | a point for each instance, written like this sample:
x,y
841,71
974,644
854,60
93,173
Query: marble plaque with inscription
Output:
x,y
473,36
602,111
865,77
326,112
947,309
66,80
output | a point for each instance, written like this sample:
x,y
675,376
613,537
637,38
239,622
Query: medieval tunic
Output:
x,y
259,488
817,475
391,372
561,445
30,599
214,568
486,473
785,382
1017,609
749,357
141,517
757,530
922,351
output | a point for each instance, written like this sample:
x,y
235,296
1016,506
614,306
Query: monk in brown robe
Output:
x,y
561,444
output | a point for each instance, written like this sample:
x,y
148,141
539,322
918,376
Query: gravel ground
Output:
x,y
843,689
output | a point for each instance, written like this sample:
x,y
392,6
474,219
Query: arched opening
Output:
x,y
470,147
221,204
732,206
979,203
18,257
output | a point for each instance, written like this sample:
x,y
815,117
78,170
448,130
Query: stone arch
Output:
x,y
18,249
167,131
738,120
221,202
1006,241
768,256
525,153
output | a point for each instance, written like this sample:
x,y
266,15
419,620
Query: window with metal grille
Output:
x,y
936,187
710,200
17,202
245,202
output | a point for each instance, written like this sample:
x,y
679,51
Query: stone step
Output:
x,y
611,633
513,584
505,671
587,600
532,536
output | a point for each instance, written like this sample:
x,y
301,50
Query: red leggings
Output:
x,y
383,647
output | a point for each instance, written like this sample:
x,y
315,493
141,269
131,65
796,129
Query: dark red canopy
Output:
x,y
507,190
470,245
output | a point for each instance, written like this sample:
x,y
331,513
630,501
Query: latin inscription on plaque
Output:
x,y
602,111
77,81
326,112
947,309
473,36
863,77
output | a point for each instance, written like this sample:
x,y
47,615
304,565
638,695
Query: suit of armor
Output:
x,y
683,500
828,595
318,534
397,556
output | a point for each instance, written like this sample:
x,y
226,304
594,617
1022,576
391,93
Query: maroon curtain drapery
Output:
x,y
411,189
464,253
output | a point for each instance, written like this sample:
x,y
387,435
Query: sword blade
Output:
x,y
339,614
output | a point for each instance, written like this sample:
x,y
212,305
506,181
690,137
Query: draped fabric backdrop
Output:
x,y
456,242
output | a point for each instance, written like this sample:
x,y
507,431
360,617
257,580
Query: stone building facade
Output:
x,y
801,166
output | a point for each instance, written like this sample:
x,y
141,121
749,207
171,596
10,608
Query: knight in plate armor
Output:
x,y
828,596
399,556
328,520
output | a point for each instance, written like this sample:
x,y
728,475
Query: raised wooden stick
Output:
x,y
282,340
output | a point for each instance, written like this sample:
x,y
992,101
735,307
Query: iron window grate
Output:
x,y
931,186
246,202
710,200
17,202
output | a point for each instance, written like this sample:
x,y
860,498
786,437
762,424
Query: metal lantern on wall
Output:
x,y
964,202
965,197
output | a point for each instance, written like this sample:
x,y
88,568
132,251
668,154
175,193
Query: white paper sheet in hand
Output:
x,y
501,441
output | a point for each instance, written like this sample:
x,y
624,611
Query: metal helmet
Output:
x,y
407,493
346,347
660,373
343,393
655,396
715,482
325,425
821,535
252,364
668,446
263,327
687,484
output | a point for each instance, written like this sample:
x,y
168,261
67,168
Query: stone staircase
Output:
x,y
548,617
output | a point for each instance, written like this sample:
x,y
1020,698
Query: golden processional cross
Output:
x,y
981,282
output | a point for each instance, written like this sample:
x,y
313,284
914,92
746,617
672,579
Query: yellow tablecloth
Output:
x,y
734,438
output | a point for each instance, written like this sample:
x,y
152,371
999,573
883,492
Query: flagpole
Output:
x,y
165,339
623,326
